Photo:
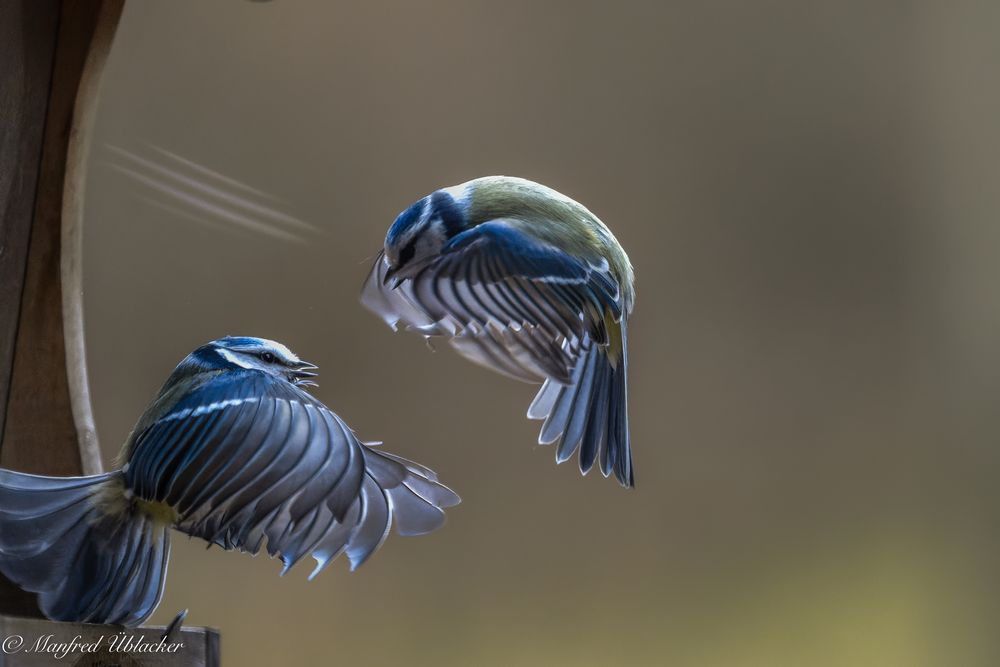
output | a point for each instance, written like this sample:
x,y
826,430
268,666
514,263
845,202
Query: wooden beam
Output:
x,y
27,48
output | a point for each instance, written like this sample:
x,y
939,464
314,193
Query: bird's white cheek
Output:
x,y
431,241
235,359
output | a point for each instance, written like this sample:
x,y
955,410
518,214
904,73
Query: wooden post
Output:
x,y
52,53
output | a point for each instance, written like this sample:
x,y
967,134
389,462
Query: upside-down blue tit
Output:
x,y
232,450
528,282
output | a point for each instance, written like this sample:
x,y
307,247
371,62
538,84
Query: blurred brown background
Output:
x,y
809,193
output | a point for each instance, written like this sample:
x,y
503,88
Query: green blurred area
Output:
x,y
809,194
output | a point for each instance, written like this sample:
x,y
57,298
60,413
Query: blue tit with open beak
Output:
x,y
232,450
528,282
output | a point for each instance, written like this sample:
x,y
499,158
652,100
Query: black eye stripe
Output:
x,y
267,358
408,251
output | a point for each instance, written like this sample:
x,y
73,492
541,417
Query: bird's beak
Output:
x,y
302,372
391,279
390,276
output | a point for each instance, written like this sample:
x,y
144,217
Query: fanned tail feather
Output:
x,y
80,545
589,413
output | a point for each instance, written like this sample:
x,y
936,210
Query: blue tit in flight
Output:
x,y
232,450
528,282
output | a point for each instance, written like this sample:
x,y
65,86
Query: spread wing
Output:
x,y
507,300
247,456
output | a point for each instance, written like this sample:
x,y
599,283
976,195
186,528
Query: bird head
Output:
x,y
421,231
245,352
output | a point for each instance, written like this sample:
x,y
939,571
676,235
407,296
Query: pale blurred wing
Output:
x,y
248,457
391,305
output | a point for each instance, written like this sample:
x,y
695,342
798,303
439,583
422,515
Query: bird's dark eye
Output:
x,y
407,253
267,357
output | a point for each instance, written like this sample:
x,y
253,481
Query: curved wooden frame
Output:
x,y
71,266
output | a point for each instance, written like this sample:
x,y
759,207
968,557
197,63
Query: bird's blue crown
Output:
x,y
243,343
439,205
405,221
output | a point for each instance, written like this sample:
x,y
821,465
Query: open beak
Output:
x,y
302,372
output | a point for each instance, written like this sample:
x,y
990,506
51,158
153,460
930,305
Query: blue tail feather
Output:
x,y
87,553
590,414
